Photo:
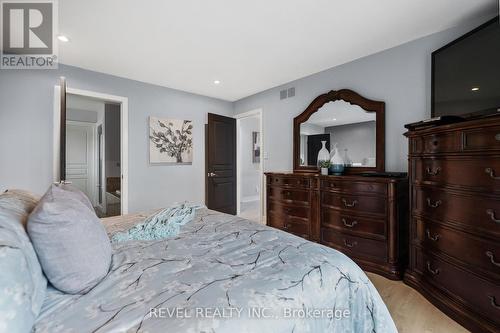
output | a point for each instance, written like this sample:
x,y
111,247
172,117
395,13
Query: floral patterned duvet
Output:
x,y
222,274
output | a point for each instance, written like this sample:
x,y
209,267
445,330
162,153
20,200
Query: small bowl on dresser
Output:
x,y
336,169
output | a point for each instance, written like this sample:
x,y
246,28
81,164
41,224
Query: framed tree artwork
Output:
x,y
170,141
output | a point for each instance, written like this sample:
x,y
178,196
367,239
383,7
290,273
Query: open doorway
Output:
x,y
249,165
95,146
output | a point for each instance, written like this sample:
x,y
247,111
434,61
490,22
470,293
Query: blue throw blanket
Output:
x,y
166,223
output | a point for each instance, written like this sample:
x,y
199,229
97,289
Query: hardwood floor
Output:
x,y
411,312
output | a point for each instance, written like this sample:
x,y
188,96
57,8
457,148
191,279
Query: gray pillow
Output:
x,y
70,240
22,284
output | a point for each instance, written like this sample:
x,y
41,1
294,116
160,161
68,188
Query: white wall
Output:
x,y
26,133
81,115
400,76
358,138
250,184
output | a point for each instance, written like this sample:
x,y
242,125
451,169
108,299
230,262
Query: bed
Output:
x,y
221,274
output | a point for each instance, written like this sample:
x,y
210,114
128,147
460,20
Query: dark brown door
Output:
x,y
220,177
314,146
62,131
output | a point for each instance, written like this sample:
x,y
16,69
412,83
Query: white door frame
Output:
x,y
239,117
123,101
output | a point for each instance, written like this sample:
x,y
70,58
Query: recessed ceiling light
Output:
x,y
216,82
334,119
63,38
475,89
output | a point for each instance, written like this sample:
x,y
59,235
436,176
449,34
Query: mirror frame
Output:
x,y
353,98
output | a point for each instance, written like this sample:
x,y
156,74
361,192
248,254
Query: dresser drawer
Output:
x,y
289,223
286,195
471,250
355,203
479,295
352,224
482,139
302,182
440,143
354,246
472,212
353,186
288,210
275,219
297,227
477,173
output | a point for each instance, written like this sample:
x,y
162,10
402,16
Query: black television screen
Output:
x,y
466,74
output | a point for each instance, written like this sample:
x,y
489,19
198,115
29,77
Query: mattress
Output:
x,y
221,274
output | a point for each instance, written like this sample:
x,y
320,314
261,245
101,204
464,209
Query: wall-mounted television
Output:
x,y
466,74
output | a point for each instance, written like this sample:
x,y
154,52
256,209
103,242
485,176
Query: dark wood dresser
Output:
x,y
455,220
364,217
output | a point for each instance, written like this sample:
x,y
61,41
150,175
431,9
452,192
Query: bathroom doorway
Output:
x,y
95,145
250,166
93,151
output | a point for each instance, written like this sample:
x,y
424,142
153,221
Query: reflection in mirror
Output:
x,y
339,124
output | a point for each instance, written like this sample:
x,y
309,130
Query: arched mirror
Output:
x,y
345,123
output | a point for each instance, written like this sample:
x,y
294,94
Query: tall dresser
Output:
x,y
364,217
455,220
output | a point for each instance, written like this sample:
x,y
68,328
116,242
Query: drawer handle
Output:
x,y
349,224
493,302
435,204
490,255
288,210
491,213
491,172
434,172
432,238
432,271
286,193
285,226
351,204
349,244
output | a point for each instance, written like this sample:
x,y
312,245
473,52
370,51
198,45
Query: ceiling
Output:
x,y
250,46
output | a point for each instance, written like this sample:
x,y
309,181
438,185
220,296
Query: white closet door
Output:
x,y
80,157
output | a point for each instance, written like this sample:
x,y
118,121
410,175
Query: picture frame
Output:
x,y
170,141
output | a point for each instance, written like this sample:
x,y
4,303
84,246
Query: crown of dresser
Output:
x,y
455,220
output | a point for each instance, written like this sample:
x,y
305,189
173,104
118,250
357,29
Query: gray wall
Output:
x,y
358,138
400,76
26,130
